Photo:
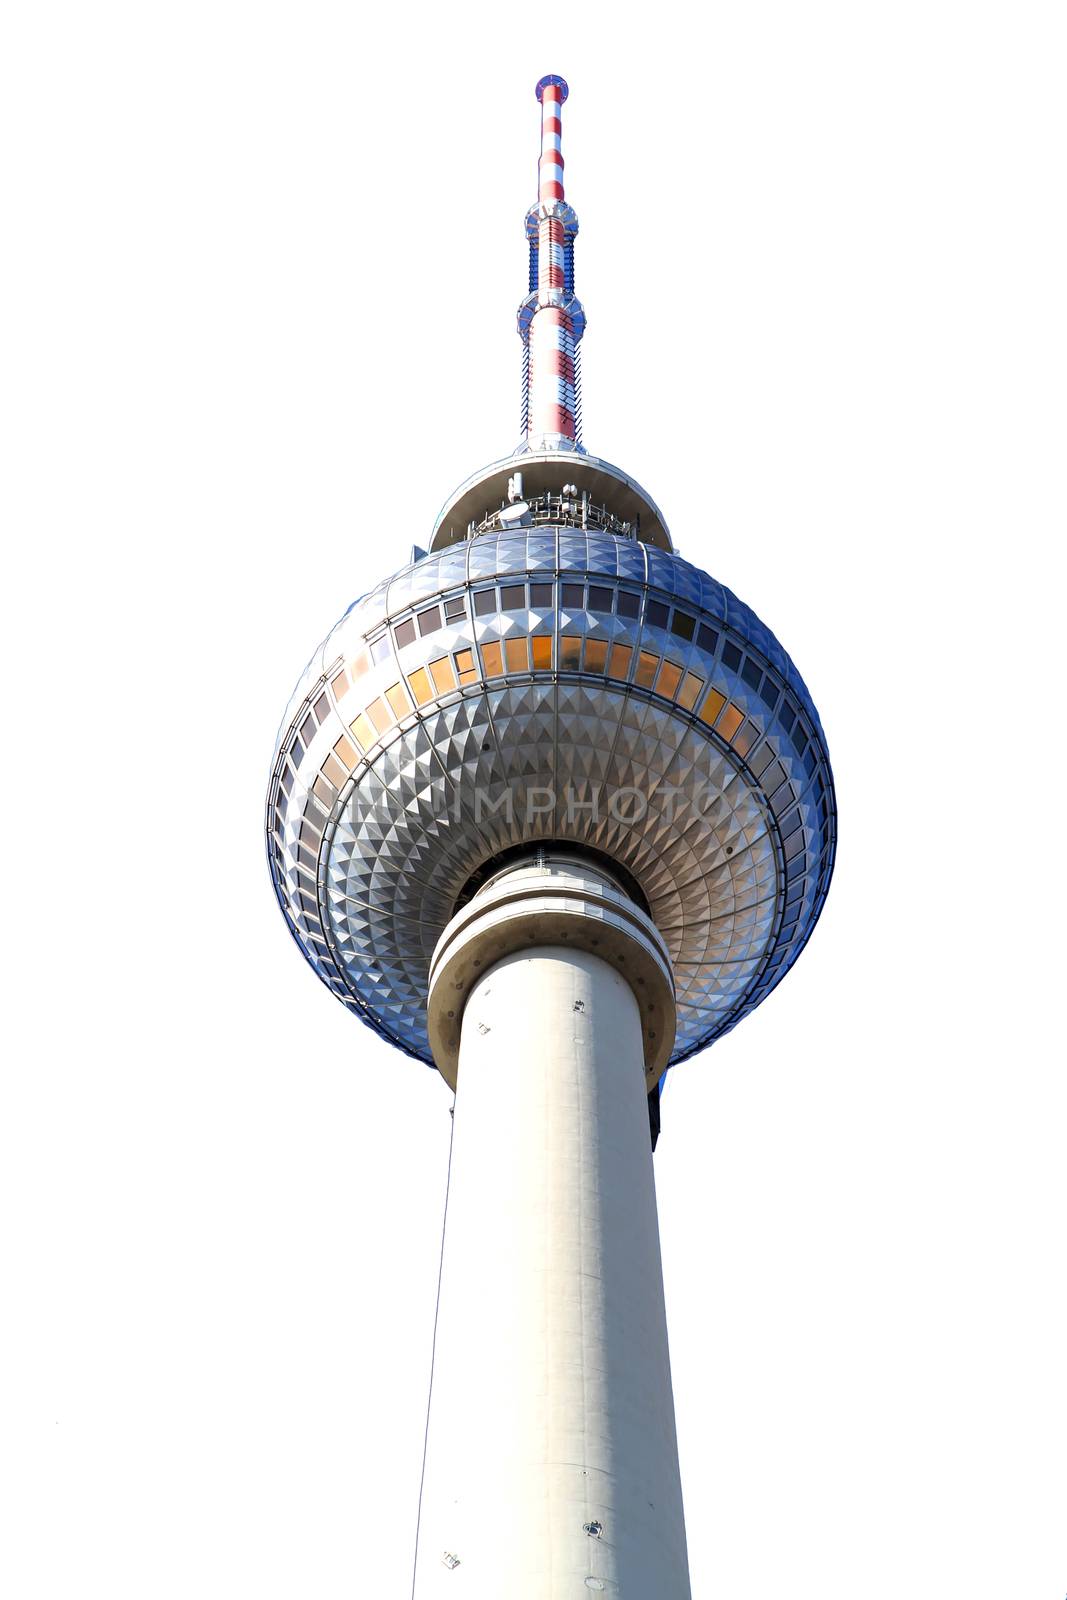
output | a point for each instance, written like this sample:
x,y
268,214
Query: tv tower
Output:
x,y
551,810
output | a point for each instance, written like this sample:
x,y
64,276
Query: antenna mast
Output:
x,y
551,318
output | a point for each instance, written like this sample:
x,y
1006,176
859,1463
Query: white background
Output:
x,y
261,265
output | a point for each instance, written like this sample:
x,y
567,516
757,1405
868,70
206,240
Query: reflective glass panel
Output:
x,y
541,645
398,700
465,666
517,655
730,721
334,771
492,659
690,691
419,684
442,674
647,665
619,661
669,679
570,651
712,706
378,712
363,732
596,655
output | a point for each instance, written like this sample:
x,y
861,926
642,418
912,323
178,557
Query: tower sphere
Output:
x,y
551,672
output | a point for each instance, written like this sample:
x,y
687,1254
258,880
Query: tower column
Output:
x,y
552,1461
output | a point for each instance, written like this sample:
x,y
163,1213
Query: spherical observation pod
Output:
x,y
556,683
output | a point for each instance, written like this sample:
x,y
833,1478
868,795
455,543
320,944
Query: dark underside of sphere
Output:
x,y
551,684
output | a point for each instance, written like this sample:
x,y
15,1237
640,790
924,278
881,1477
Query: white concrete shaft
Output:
x,y
551,1403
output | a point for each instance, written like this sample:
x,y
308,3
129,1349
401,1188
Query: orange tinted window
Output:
x,y
619,663
744,739
712,706
398,700
419,684
596,655
465,666
730,721
359,666
646,669
669,678
363,731
379,714
334,770
541,644
517,655
344,751
570,651
690,690
340,684
492,659
442,674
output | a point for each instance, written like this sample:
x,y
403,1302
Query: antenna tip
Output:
x,y
548,81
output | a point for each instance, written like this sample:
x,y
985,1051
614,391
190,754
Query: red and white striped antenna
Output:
x,y
551,319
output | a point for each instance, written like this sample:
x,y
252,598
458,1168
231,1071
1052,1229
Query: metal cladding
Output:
x,y
553,671
551,320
